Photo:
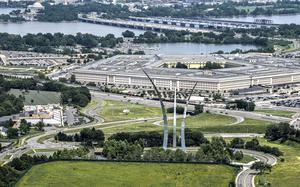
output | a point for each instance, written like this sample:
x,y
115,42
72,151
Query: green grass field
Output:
x,y
281,113
247,126
207,123
81,173
38,97
200,121
93,104
286,173
113,111
246,159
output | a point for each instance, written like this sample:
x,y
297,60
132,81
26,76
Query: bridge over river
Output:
x,y
162,23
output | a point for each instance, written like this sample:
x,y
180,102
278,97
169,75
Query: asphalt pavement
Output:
x,y
246,177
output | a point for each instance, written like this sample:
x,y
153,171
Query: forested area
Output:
x,y
48,43
13,171
282,132
285,31
86,136
10,104
226,9
8,18
225,37
79,96
154,138
69,12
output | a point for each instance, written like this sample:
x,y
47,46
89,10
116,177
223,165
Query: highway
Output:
x,y
154,103
32,142
246,177
139,25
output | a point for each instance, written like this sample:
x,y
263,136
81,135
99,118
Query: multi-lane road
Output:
x,y
246,177
154,103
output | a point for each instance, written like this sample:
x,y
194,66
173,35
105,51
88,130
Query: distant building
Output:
x,y
35,7
3,131
51,114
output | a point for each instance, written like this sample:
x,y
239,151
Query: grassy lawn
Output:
x,y
40,151
207,120
207,123
135,127
246,159
38,97
247,126
201,121
281,113
113,111
107,174
6,157
285,173
93,104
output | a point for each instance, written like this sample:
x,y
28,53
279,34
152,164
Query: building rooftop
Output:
x,y
241,65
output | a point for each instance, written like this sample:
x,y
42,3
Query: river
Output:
x,y
102,30
8,10
277,19
193,48
63,27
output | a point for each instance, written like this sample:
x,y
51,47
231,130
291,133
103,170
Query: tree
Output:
x,y
282,132
261,167
12,133
253,144
179,110
62,79
18,164
122,150
181,65
24,127
128,34
237,143
238,155
72,78
248,106
40,126
198,109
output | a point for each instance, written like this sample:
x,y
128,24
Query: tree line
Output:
x,y
214,151
226,9
154,138
10,104
79,96
55,13
48,42
13,171
241,105
282,132
87,136
254,145
225,37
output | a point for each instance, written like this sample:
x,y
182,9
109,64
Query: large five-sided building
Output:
x,y
235,72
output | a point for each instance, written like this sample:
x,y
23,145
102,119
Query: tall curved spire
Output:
x,y
182,135
163,109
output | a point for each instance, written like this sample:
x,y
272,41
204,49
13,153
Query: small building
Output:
x,y
35,7
51,114
3,131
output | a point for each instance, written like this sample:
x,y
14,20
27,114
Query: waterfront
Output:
x,y
24,28
102,30
8,10
34,27
277,19
193,48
